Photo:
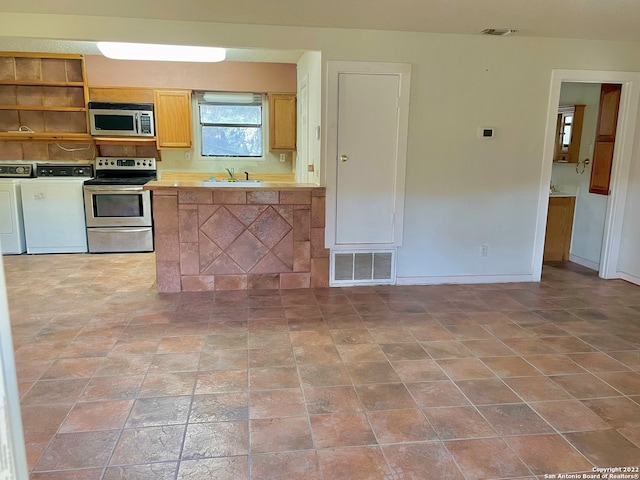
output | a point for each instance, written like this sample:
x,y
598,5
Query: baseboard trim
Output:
x,y
459,279
584,262
629,278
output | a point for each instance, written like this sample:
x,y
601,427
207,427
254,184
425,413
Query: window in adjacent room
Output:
x,y
230,124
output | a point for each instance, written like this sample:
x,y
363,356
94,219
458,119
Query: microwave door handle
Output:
x,y
136,117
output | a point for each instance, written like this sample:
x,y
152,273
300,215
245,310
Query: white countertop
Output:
x,y
563,191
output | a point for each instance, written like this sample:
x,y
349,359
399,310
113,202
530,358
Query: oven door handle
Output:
x,y
119,229
110,188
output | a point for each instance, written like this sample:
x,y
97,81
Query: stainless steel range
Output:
x,y
118,210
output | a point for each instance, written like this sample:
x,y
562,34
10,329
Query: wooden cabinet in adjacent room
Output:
x,y
282,121
605,138
557,240
173,119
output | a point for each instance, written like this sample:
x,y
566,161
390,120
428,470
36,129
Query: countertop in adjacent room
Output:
x,y
190,184
191,180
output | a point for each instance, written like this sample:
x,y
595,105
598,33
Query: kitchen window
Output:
x,y
230,124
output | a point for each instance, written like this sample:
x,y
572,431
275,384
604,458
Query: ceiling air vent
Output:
x,y
499,32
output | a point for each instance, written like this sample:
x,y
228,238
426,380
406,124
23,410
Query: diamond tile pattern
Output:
x,y
240,239
270,227
237,239
222,228
246,251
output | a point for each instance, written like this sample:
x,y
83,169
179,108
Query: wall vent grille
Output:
x,y
363,267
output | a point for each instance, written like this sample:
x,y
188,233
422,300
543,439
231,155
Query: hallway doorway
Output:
x,y
614,209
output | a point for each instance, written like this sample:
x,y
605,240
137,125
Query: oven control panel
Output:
x,y
117,163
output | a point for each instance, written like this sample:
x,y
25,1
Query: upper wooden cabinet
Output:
x,y
43,97
121,94
282,121
173,119
568,134
605,138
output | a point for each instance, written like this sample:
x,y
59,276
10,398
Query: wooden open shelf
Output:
x,y
46,93
46,137
41,83
41,108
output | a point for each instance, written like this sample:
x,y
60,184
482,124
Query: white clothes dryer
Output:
x,y
12,238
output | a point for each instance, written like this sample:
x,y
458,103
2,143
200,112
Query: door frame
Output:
x,y
9,391
334,69
625,134
302,143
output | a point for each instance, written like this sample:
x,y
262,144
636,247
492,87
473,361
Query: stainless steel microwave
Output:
x,y
121,119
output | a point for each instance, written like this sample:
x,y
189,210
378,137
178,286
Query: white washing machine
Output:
x,y
53,209
12,239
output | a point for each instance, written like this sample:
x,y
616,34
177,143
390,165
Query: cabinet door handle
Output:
x,y
343,158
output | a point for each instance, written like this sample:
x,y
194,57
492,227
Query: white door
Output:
x,y
367,161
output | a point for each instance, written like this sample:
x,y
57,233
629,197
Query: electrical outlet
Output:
x,y
484,250
283,157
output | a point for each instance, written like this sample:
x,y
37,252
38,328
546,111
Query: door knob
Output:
x,y
343,158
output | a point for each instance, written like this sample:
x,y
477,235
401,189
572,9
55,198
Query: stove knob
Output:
x,y
20,170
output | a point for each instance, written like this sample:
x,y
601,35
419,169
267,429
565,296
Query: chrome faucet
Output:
x,y
231,171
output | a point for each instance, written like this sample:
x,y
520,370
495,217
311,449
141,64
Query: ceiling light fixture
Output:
x,y
500,32
164,53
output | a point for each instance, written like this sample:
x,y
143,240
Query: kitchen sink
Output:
x,y
232,183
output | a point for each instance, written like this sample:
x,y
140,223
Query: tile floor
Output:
x,y
417,382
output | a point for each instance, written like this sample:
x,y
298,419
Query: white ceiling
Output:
x,y
578,19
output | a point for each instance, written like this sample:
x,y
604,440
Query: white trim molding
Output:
x,y
584,262
629,278
462,279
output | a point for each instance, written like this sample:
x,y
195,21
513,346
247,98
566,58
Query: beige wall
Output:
x,y
461,191
224,76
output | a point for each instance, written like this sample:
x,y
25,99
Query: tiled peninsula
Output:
x,y
230,238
